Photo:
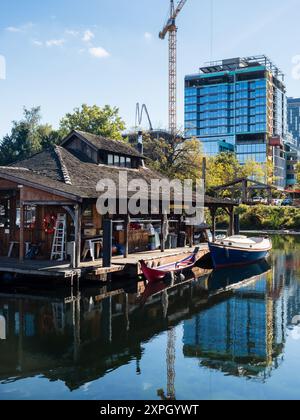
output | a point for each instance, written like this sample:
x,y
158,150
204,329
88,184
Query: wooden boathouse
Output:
x,y
61,182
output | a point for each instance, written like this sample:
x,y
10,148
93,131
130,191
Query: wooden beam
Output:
x,y
77,235
48,203
51,190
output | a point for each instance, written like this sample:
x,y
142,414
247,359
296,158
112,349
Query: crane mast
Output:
x,y
171,28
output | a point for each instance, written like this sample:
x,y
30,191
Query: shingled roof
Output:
x,y
60,170
102,143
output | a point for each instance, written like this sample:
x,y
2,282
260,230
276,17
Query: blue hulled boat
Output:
x,y
239,251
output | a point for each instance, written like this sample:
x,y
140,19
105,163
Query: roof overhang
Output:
x,y
21,181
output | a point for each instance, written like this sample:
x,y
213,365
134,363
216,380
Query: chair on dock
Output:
x,y
90,246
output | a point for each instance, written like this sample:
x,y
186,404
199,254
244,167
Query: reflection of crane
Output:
x,y
170,355
172,29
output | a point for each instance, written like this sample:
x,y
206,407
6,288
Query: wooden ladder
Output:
x,y
59,240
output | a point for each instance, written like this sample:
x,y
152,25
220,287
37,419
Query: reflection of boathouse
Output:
x,y
242,335
237,326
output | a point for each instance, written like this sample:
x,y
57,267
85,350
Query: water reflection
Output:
x,y
234,321
242,334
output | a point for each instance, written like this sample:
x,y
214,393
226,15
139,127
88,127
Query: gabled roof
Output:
x,y
63,172
102,143
58,169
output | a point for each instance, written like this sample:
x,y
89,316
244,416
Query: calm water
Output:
x,y
228,335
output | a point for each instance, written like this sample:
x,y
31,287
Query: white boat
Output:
x,y
239,250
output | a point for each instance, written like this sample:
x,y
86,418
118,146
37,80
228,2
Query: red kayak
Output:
x,y
154,275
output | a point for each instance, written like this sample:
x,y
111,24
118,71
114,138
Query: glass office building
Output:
x,y
239,105
292,155
294,118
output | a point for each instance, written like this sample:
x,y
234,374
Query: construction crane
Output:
x,y
171,28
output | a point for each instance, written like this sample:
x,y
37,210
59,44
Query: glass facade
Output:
x,y
293,118
237,110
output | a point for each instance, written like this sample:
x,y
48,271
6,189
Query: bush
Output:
x,y
269,217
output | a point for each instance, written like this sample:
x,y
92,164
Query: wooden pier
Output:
x,y
90,270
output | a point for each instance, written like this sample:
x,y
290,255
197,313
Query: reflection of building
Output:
x,y
237,336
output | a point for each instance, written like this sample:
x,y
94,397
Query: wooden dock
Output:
x,y
128,267
52,269
155,258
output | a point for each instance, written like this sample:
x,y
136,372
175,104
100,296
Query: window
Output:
x,y
122,162
29,216
4,216
128,163
110,160
117,160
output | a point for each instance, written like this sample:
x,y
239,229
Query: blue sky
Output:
x,y
62,53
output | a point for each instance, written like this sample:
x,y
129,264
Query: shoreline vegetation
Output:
x,y
264,219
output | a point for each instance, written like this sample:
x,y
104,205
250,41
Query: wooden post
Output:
x,y
77,235
21,239
236,224
213,212
107,242
191,236
231,221
164,220
245,192
126,229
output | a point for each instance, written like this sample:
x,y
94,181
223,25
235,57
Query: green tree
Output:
x,y
298,173
104,121
27,137
253,170
174,157
222,169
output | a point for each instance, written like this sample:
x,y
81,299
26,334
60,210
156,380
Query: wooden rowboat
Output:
x,y
154,275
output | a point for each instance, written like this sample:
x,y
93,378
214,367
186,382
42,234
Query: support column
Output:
x,y
213,212
126,229
21,239
164,220
77,235
231,221
107,242
236,224
191,236
245,192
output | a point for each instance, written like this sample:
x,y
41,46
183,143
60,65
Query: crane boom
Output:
x,y
179,8
171,28
170,23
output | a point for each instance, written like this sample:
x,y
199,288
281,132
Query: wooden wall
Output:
x,y
77,145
